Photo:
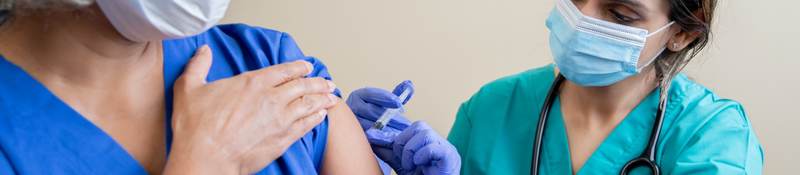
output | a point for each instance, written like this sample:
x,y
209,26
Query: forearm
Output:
x,y
347,150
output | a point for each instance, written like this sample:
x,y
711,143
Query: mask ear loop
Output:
x,y
661,29
639,69
653,60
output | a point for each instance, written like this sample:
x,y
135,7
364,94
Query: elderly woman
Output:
x,y
152,86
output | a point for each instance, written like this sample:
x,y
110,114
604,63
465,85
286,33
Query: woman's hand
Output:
x,y
241,124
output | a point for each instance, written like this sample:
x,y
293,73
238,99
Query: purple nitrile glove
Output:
x,y
369,103
407,148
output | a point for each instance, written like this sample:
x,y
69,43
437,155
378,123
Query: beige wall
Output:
x,y
449,48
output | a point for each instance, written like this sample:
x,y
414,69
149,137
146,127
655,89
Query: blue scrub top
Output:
x,y
40,134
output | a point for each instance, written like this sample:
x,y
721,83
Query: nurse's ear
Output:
x,y
686,37
682,39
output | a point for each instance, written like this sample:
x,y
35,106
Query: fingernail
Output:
x,y
203,49
309,66
333,98
331,86
321,114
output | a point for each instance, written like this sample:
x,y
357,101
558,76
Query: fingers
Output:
x,y
403,138
428,153
402,87
304,125
278,74
376,96
411,140
296,130
304,86
412,147
380,138
406,134
385,154
399,122
310,104
438,157
366,111
197,69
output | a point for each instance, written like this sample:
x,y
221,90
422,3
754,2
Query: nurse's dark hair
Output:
x,y
691,16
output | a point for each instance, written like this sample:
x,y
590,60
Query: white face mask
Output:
x,y
151,20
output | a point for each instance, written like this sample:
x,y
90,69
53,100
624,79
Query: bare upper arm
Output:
x,y
347,150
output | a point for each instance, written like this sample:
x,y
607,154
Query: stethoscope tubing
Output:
x,y
647,158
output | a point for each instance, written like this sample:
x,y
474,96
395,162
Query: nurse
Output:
x,y
618,61
154,87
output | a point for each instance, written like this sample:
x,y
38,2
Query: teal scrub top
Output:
x,y
702,133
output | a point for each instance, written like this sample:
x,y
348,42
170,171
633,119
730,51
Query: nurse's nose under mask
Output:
x,y
593,52
152,20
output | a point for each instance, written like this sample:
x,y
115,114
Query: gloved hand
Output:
x,y
408,148
369,103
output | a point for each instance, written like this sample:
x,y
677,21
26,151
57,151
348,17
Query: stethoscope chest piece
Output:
x,y
640,162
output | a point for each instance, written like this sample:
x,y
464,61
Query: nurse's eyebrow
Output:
x,y
632,3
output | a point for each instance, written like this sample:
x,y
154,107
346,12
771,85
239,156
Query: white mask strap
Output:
x,y
638,69
661,29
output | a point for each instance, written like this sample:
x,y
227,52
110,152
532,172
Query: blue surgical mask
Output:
x,y
593,52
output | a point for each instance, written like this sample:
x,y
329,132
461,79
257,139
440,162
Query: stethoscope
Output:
x,y
647,158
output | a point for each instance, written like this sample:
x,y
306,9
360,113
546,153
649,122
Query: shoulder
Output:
x,y
255,47
692,103
252,41
698,120
239,48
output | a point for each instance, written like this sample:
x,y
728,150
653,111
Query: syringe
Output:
x,y
391,112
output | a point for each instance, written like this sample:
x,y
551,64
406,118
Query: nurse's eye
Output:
x,y
622,18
